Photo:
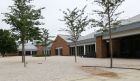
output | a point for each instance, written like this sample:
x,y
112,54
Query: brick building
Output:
x,y
60,45
40,50
65,47
125,39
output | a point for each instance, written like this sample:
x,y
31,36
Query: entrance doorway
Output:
x,y
59,51
90,50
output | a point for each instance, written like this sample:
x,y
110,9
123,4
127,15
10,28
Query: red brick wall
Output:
x,y
59,42
40,50
101,47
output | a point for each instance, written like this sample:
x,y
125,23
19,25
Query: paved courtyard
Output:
x,y
61,68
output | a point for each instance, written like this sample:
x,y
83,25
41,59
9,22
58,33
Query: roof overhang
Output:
x,y
83,42
123,34
122,31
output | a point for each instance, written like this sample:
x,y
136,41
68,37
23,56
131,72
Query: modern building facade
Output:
x,y
85,46
65,47
125,39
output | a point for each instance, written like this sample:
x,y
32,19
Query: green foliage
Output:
x,y
108,7
24,19
46,37
108,19
7,43
75,22
35,34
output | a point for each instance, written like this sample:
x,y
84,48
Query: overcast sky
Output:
x,y
52,12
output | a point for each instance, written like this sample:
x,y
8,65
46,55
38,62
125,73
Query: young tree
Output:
x,y
23,18
7,43
108,18
75,22
46,40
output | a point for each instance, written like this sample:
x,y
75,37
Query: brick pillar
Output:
x,y
101,47
52,52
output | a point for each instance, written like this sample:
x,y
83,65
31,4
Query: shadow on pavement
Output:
x,y
114,67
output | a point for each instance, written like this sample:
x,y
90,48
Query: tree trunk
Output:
x,y
3,54
45,48
75,52
23,53
110,37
